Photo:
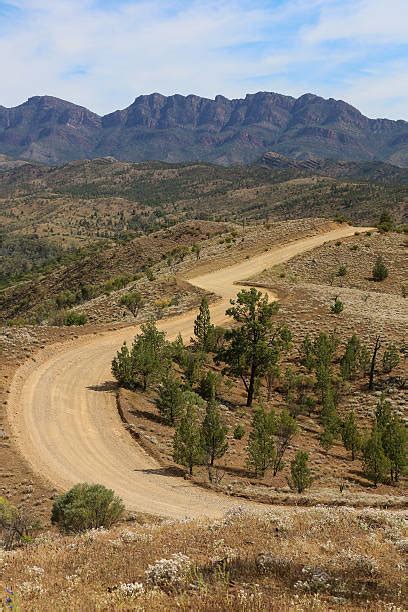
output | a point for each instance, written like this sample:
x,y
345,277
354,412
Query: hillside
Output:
x,y
186,128
57,215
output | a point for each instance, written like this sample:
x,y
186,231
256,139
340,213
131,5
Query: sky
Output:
x,y
102,54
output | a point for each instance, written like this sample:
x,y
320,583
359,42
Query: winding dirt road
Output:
x,y
64,418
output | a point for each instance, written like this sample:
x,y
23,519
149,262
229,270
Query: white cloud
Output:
x,y
101,58
378,21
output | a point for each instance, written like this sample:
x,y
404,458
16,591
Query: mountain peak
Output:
x,y
180,128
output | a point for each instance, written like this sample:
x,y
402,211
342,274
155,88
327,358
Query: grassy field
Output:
x,y
285,559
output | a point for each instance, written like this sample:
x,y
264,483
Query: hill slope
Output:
x,y
186,128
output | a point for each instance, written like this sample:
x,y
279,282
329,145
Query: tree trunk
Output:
x,y
373,360
251,388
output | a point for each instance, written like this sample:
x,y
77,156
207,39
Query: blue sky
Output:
x,y
104,53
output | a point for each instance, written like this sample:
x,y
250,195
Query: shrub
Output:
x,y
239,432
342,271
117,282
169,574
390,358
133,301
86,506
380,271
386,222
337,307
75,318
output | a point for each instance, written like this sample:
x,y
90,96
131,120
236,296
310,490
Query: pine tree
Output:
x,y
380,271
307,354
390,358
170,401
383,413
150,354
375,462
202,326
209,385
187,444
395,443
251,345
122,367
349,363
285,429
192,364
350,435
214,434
261,445
301,478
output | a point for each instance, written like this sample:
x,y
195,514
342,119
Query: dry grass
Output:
x,y
286,559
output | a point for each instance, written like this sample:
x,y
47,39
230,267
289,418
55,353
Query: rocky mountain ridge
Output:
x,y
185,128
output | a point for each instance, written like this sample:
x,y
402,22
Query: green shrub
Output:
x,y
75,318
342,271
380,271
86,506
239,432
337,307
133,301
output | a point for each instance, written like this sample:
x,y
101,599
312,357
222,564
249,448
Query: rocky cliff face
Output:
x,y
184,128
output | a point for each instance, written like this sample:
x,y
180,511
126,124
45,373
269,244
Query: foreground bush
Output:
x,y
75,318
87,506
15,526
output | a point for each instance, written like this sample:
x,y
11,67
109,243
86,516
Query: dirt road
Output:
x,y
64,418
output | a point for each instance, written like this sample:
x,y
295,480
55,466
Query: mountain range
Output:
x,y
180,128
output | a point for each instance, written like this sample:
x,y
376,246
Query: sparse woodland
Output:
x,y
257,356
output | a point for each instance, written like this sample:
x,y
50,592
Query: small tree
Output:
x,y
209,384
337,307
327,438
178,349
196,250
390,358
285,429
133,302
350,435
192,364
170,401
250,345
87,506
15,526
122,367
375,462
307,353
149,354
395,443
214,434
324,348
261,446
350,362
301,478
187,444
202,325
380,271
